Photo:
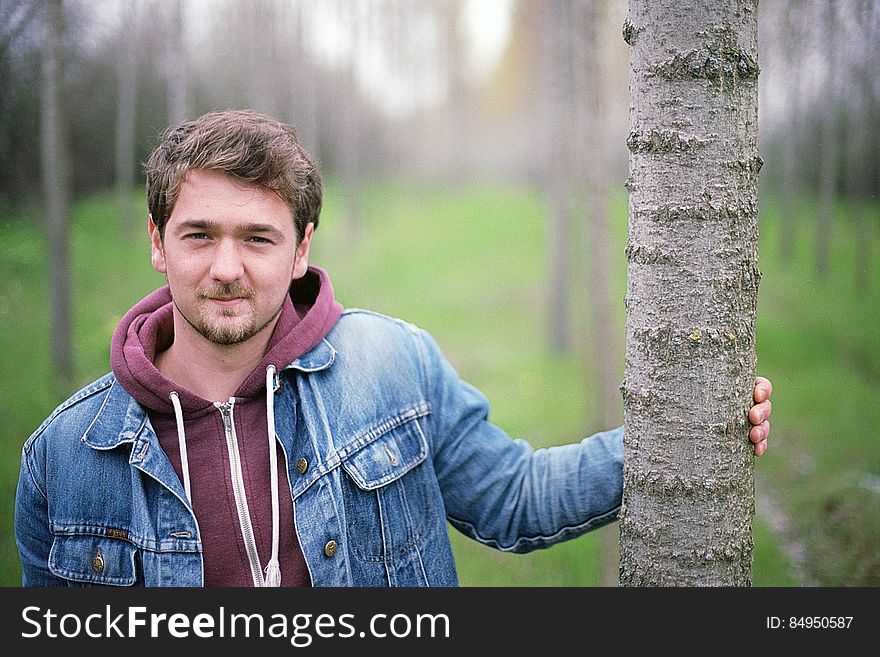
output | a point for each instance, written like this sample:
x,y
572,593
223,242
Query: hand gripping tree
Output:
x,y
692,288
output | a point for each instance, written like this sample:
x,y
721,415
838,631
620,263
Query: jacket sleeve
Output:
x,y
503,492
32,534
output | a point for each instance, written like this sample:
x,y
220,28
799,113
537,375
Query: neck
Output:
x,y
210,370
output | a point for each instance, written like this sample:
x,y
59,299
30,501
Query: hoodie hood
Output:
x,y
308,314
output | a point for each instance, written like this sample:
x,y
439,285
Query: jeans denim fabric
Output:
x,y
384,444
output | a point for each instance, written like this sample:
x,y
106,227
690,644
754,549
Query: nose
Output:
x,y
227,265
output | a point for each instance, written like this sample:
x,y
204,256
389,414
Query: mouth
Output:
x,y
227,302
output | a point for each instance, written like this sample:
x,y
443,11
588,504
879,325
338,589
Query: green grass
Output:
x,y
470,265
819,341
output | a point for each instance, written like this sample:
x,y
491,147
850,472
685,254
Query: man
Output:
x,y
251,433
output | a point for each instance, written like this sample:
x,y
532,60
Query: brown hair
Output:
x,y
256,149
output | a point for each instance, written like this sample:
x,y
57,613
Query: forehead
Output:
x,y
216,196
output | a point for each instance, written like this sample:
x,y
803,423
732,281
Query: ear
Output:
x,y
301,258
157,249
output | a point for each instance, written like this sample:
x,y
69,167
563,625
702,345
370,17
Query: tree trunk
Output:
x,y
692,287
348,143
176,65
591,71
557,182
303,85
829,153
126,110
789,207
56,193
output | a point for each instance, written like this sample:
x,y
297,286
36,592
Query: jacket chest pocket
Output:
x,y
94,560
387,493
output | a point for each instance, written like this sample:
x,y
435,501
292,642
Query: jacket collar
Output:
x,y
319,357
104,432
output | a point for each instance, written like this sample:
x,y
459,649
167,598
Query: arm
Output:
x,y
32,533
503,492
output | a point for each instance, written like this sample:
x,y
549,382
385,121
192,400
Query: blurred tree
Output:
x,y
829,150
347,145
56,189
21,33
691,293
126,114
790,31
557,23
303,77
177,64
860,147
457,118
592,69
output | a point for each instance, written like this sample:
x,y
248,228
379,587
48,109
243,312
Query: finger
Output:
x,y
760,448
763,389
760,412
760,433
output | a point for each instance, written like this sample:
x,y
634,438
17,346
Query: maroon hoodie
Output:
x,y
308,314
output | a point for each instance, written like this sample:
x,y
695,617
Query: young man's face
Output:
x,y
229,253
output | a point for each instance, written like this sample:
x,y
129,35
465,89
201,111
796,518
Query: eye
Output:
x,y
256,239
196,236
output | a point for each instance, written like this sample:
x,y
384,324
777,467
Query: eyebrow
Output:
x,y
210,225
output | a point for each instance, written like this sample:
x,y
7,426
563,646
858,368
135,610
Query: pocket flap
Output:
x,y
388,456
93,560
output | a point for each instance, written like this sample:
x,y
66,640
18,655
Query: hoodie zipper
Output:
x,y
244,516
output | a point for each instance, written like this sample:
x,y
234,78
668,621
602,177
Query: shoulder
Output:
x,y
72,417
357,327
359,320
370,341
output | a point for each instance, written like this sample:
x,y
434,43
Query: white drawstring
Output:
x,y
181,441
273,568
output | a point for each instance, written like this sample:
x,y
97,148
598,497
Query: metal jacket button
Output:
x,y
330,548
302,465
98,561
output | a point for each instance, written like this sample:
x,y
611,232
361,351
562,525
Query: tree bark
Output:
x,y
692,286
56,189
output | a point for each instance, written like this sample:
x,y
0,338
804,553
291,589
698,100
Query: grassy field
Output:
x,y
469,263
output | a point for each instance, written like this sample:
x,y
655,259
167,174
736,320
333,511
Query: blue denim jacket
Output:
x,y
395,445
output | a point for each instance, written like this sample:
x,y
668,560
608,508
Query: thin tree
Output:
x,y
830,146
56,189
303,82
791,33
592,77
861,143
176,65
126,112
348,142
692,285
558,100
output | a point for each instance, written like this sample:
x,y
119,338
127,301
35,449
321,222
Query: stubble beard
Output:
x,y
222,332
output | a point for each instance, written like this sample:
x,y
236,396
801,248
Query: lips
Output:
x,y
227,302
